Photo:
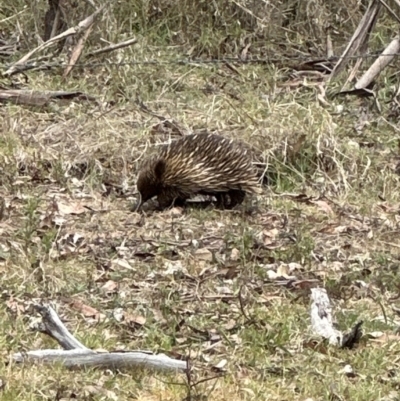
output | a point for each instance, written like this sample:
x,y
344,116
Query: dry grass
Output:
x,y
68,235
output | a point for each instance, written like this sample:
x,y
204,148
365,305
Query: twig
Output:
x,y
13,16
14,67
164,120
241,305
329,46
57,18
246,10
146,110
391,12
112,47
77,51
82,26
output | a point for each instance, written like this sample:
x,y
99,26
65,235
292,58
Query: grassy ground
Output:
x,y
191,282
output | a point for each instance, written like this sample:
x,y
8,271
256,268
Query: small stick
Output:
x,y
82,26
77,51
112,47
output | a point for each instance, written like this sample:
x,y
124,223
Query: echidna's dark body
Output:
x,y
206,164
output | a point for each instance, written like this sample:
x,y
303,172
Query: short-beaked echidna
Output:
x,y
206,164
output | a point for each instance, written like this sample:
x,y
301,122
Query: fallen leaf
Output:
x,y
175,211
235,254
348,371
283,271
294,266
341,229
230,325
223,290
220,365
388,208
203,254
71,208
90,391
158,316
322,205
134,319
122,263
173,267
376,334
118,314
15,307
378,337
109,287
271,233
86,310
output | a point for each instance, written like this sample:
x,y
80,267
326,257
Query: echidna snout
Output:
x,y
149,181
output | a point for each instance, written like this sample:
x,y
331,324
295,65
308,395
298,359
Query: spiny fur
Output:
x,y
207,164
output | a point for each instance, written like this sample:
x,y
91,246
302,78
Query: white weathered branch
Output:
x,y
322,321
75,354
88,358
321,316
379,64
54,327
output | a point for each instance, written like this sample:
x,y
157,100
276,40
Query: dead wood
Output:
x,y
78,358
75,354
81,27
379,64
359,38
38,98
77,50
322,321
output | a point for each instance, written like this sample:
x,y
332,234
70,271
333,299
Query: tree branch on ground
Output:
x,y
75,354
322,321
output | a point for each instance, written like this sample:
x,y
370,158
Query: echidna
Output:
x,y
206,164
